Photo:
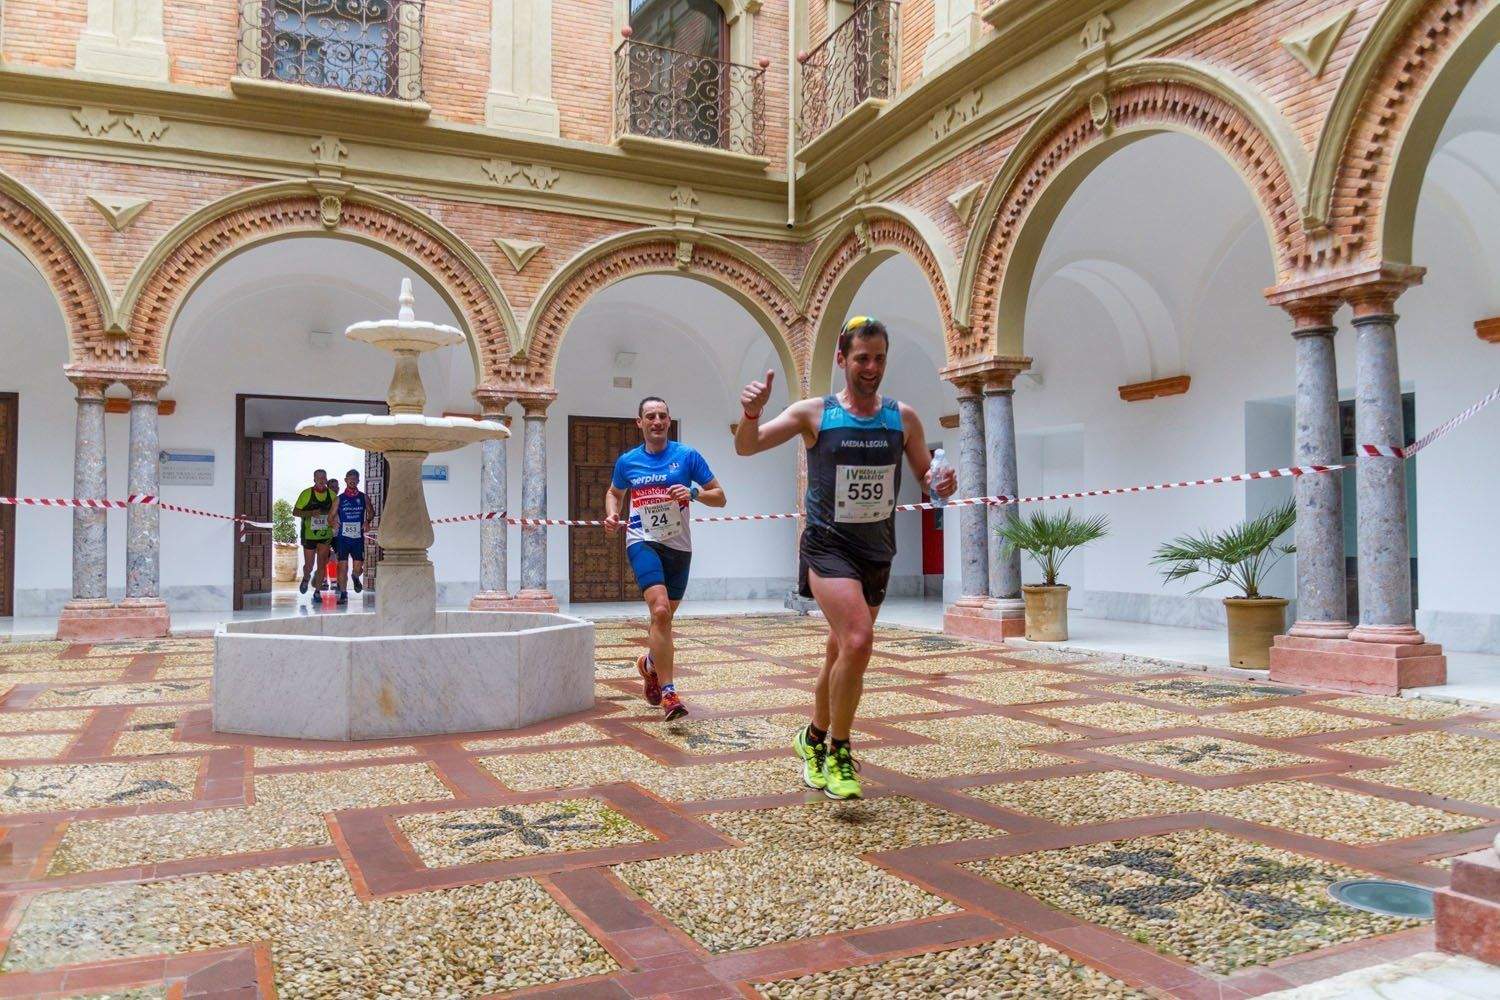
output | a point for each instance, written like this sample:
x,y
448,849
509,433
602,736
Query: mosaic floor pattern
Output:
x,y
1038,823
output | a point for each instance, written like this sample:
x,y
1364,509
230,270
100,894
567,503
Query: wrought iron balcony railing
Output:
x,y
662,93
854,64
371,47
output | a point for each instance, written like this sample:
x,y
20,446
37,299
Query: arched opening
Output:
x,y
891,287
1453,218
36,426
1120,291
694,345
286,303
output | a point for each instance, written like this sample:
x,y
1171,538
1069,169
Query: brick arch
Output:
x,y
60,257
848,255
1042,172
1383,126
695,254
203,242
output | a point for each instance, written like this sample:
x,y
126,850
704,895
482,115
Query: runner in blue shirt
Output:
x,y
661,478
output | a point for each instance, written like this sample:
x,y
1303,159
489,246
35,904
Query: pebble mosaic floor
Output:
x,y
1037,823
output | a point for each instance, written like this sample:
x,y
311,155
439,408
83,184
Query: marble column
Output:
x,y
534,594
1002,480
1322,605
1385,610
90,526
143,602
494,584
973,546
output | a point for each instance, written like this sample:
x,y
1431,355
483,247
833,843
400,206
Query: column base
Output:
x,y
492,600
1468,911
984,623
534,600
101,621
1363,667
1404,635
1320,630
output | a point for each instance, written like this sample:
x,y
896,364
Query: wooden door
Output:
x,y
252,564
375,471
597,569
9,412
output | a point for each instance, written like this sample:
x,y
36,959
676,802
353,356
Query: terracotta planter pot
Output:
x,y
284,564
1253,623
1046,613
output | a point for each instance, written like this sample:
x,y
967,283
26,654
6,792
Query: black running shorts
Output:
x,y
822,554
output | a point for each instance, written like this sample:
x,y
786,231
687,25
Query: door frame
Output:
x,y
240,399
675,434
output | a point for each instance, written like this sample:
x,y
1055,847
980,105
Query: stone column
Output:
x,y
1384,653
974,569
534,595
1322,605
1385,611
143,603
494,582
1002,479
85,618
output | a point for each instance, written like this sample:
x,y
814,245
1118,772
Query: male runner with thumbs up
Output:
x,y
855,440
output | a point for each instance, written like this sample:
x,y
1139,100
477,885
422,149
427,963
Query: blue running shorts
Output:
x,y
658,565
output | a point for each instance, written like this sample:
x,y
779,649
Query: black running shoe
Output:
x,y
358,587
302,587
343,597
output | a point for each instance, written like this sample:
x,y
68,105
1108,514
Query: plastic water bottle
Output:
x,y
939,465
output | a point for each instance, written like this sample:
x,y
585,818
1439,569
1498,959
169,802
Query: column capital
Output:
x,y
535,404
90,382
1371,288
991,372
493,401
1311,314
145,386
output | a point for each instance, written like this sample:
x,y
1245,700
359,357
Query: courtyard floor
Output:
x,y
1037,823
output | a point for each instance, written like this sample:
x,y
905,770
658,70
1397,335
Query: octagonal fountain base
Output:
x,y
334,678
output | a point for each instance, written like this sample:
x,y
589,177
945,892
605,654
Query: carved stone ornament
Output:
x,y
328,149
518,252
1312,44
1096,31
862,182
506,173
1101,113
962,201
95,121
683,198
684,257
956,115
862,234
146,128
119,210
330,210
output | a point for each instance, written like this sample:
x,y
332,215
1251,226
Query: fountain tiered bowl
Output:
x,y
407,669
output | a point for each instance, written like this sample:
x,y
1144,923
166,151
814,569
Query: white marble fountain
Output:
x,y
407,669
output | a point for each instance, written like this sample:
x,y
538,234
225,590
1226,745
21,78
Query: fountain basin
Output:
x,y
402,431
334,678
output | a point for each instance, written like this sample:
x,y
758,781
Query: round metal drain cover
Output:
x,y
1391,899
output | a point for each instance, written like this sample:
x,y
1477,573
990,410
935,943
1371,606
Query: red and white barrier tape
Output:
x,y
1369,450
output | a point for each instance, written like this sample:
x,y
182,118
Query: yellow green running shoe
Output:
x,y
812,755
839,781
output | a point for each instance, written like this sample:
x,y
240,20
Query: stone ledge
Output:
x,y
318,97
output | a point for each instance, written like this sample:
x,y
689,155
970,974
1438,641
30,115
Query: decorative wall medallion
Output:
x,y
1313,44
146,128
330,210
506,173
684,257
1099,111
518,252
862,234
957,114
95,121
119,210
962,201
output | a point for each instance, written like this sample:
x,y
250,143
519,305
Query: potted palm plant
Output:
x,y
1241,555
284,535
1049,539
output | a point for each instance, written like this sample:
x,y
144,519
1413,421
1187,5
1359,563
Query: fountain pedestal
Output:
x,y
406,670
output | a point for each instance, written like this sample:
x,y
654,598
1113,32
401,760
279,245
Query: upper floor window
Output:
x,y
674,80
359,46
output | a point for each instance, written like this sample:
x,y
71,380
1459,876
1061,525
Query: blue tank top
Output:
x,y
853,477
351,511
